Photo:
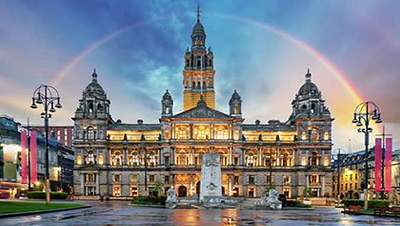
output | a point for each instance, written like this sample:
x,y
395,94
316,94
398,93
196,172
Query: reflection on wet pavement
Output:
x,y
119,213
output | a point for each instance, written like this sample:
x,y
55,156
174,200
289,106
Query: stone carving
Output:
x,y
172,201
272,200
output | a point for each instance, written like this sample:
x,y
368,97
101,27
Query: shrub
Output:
x,y
371,203
42,195
149,200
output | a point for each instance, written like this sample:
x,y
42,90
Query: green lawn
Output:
x,y
16,207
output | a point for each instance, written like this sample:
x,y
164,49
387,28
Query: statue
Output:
x,y
171,202
272,200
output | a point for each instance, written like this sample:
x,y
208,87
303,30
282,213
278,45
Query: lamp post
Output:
x,y
363,114
339,160
48,97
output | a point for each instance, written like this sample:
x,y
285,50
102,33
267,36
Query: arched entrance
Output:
x,y
222,190
198,188
356,195
182,191
236,192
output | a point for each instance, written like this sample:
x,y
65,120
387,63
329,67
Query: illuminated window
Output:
x,y
134,191
133,178
153,159
286,160
117,191
101,160
117,159
314,179
314,134
250,159
151,178
90,159
78,159
326,136
90,178
134,159
303,135
303,161
326,161
90,133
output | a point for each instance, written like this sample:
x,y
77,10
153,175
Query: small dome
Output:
x,y
94,88
167,95
198,29
235,96
308,87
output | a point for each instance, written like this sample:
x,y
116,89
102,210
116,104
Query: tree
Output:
x,y
158,187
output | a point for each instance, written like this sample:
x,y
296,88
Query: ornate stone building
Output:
x,y
124,160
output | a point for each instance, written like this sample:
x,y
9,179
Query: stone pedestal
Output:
x,y
210,177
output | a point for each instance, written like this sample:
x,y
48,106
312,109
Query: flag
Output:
x,y
378,164
33,153
24,168
388,165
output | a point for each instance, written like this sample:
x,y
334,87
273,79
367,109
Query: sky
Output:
x,y
261,48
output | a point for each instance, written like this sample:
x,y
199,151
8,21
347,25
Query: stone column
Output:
x,y
191,131
190,184
322,185
278,157
307,180
242,156
82,181
125,162
230,131
230,156
173,131
212,131
229,184
97,184
259,157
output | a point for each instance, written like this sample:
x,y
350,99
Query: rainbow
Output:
x,y
61,74
330,66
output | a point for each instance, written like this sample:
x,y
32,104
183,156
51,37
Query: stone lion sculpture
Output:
x,y
171,202
272,200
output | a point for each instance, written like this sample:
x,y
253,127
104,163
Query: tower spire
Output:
x,y
198,13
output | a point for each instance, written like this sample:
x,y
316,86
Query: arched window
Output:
x,y
91,108
313,108
78,159
198,85
117,158
250,159
187,62
90,133
314,134
194,85
101,160
286,160
210,63
199,61
99,107
135,159
90,158
204,85
153,159
314,158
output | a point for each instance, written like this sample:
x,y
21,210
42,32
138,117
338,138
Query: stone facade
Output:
x,y
129,159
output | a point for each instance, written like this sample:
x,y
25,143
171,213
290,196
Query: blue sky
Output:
x,y
39,38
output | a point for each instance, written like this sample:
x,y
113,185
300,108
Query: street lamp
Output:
x,y
363,114
48,97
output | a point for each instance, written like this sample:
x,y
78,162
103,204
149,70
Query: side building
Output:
x,y
123,160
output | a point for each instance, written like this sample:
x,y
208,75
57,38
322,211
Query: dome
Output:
x,y
308,87
198,29
94,88
167,95
235,96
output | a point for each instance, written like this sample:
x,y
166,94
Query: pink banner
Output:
x,y
378,164
24,166
388,165
33,162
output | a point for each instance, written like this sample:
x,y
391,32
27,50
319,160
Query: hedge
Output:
x,y
371,203
42,195
150,200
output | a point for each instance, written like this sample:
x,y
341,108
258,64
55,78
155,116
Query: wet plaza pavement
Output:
x,y
119,213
